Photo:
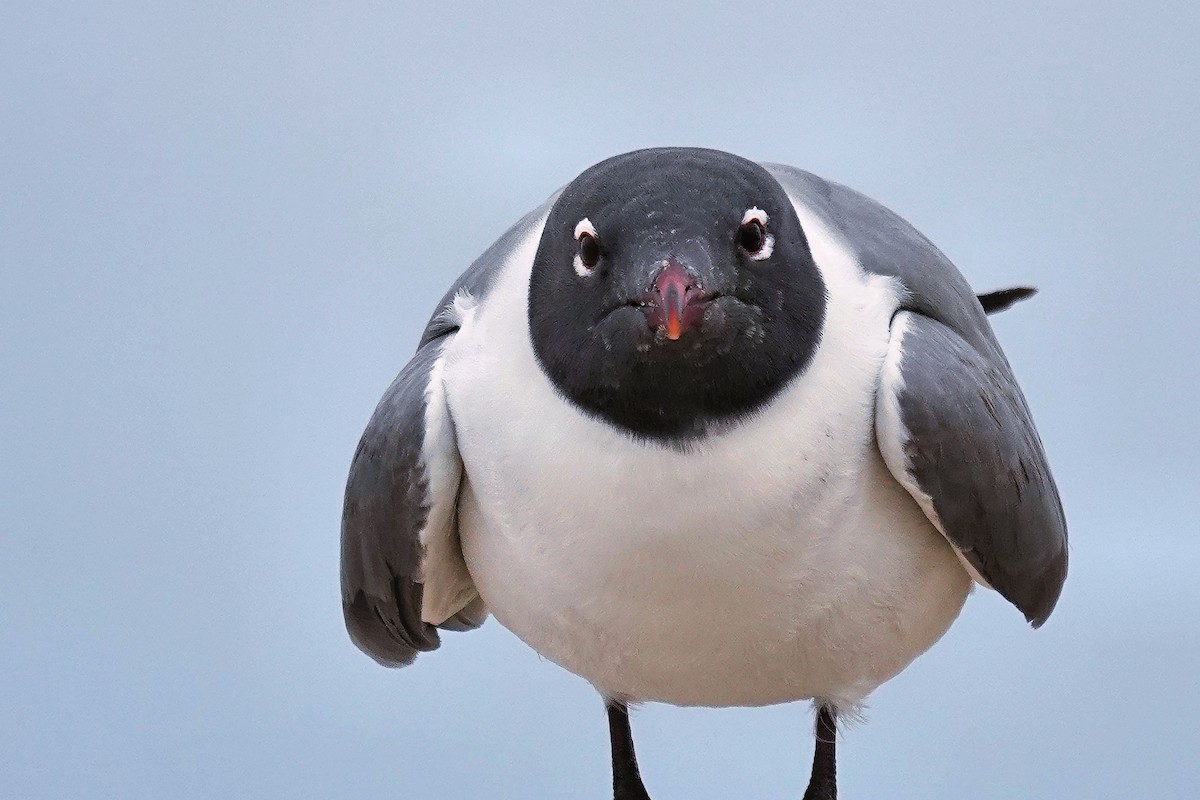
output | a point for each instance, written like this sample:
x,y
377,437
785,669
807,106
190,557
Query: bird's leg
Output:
x,y
823,783
627,782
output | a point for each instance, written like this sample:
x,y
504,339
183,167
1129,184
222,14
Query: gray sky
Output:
x,y
222,228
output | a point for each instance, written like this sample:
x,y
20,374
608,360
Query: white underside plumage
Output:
x,y
775,561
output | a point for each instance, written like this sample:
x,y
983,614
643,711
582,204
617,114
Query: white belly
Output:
x,y
776,561
692,595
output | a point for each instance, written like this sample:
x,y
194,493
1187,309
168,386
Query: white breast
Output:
x,y
776,561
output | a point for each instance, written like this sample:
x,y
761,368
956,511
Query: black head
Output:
x,y
673,290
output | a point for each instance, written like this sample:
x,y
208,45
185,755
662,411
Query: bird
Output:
x,y
703,431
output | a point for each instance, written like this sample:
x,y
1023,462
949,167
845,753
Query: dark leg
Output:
x,y
627,782
823,783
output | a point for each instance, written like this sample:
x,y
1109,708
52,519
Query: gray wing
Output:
x,y
952,423
403,575
401,492
955,431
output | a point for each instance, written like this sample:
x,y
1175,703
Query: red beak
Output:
x,y
677,303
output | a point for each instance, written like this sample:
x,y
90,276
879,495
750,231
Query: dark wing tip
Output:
x,y
1001,299
1037,599
383,634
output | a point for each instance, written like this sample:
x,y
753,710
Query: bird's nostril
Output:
x,y
674,276
676,300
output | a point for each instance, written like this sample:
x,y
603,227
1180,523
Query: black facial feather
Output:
x,y
760,322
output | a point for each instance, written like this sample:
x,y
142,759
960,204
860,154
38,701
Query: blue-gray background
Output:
x,y
222,228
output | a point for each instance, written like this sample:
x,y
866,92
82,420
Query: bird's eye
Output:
x,y
752,234
589,250
587,254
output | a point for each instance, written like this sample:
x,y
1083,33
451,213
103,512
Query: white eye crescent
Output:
x,y
584,226
753,237
587,254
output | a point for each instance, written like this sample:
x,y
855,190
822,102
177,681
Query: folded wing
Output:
x,y
955,431
403,574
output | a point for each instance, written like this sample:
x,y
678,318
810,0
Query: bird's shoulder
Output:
x,y
886,244
479,278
